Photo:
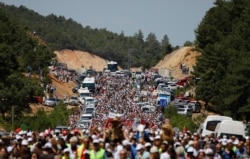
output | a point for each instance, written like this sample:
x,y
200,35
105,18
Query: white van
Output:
x,y
230,128
148,109
209,125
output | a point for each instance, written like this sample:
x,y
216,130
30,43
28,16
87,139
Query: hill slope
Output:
x,y
76,59
173,61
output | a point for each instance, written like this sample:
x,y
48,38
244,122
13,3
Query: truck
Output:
x,y
163,98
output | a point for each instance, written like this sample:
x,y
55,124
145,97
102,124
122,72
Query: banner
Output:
x,y
113,115
163,102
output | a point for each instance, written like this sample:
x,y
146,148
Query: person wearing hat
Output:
x,y
24,149
157,142
84,146
154,153
164,150
147,147
141,153
180,152
190,153
131,151
123,154
47,152
97,152
228,153
73,146
66,152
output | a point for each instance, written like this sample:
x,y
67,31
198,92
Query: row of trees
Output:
x,y
18,52
61,33
223,36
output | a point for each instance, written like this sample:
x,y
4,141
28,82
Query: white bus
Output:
x,y
89,82
112,66
209,125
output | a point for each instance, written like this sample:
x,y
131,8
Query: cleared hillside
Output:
x,y
173,61
76,59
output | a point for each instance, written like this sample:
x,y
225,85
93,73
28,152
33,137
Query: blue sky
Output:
x,y
176,18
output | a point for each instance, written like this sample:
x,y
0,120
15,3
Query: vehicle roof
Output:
x,y
89,80
83,90
112,62
89,97
217,117
90,107
86,115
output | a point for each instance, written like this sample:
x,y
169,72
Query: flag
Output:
x,y
108,121
135,124
185,129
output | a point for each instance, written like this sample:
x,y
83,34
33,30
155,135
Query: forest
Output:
x,y
20,55
223,36
61,33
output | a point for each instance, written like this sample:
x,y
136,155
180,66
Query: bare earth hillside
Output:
x,y
173,61
76,59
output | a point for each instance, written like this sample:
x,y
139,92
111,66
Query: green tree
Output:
x,y
223,37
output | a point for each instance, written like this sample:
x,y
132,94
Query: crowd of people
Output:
x,y
146,136
118,95
141,143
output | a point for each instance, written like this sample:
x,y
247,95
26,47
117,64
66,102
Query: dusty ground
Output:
x,y
62,89
76,59
173,60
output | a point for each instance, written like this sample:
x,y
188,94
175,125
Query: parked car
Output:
x,y
89,110
51,102
89,100
87,117
148,109
76,88
83,124
195,105
173,86
73,101
185,111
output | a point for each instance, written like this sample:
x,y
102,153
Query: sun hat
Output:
x,y
139,147
48,145
24,142
147,144
96,141
153,149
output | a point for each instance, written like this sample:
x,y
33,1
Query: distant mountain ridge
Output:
x,y
61,33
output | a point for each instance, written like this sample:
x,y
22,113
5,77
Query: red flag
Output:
x,y
185,129
108,121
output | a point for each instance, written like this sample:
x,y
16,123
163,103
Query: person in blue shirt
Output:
x,y
131,151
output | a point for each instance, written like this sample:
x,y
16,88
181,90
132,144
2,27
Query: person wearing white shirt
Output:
x,y
164,147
